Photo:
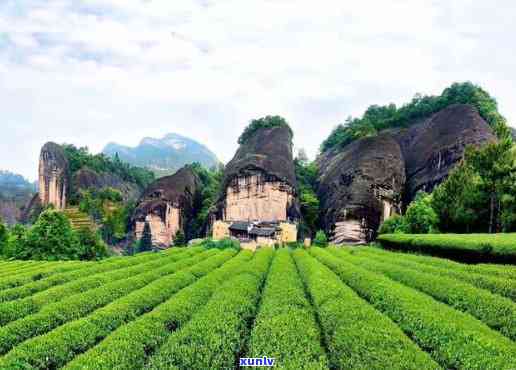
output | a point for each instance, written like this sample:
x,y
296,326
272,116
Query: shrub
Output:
x,y
145,244
221,244
180,239
356,335
394,224
3,236
420,217
93,248
320,239
438,328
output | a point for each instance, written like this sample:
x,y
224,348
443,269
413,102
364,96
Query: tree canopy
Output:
x,y
377,118
265,122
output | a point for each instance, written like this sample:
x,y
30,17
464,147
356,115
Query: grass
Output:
x,y
192,308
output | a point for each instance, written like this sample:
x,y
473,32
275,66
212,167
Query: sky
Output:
x,y
89,72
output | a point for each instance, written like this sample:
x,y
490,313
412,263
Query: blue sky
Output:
x,y
93,71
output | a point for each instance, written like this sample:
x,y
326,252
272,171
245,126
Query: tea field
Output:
x,y
196,308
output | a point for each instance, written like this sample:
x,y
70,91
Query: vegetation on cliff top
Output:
x,y
81,158
265,122
377,118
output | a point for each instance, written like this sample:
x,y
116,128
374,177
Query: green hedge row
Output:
x,y
488,269
79,305
286,328
27,287
493,310
29,275
81,268
502,286
11,270
14,310
456,340
215,337
464,247
130,345
356,335
56,348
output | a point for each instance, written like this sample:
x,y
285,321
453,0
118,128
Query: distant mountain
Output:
x,y
164,156
15,192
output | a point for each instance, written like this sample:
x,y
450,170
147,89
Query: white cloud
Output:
x,y
93,71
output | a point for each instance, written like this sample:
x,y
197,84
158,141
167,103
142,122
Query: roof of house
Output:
x,y
263,231
239,226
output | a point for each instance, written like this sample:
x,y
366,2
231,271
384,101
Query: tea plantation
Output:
x,y
197,308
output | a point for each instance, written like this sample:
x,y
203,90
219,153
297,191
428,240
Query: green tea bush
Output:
x,y
455,339
356,335
14,310
79,305
130,346
466,247
58,347
495,311
215,337
472,274
286,328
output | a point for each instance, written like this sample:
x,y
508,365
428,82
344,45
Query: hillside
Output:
x,y
164,156
209,308
15,192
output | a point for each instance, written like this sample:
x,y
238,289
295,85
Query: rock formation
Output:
x,y
87,179
167,205
433,147
259,204
260,182
360,187
54,176
370,179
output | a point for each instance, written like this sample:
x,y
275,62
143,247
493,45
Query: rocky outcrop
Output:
x,y
85,179
370,179
360,186
433,147
260,182
167,205
54,176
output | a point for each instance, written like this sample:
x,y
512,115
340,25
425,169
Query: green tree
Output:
x,y
51,238
306,174
146,240
15,245
460,201
420,217
321,240
3,236
91,244
265,122
180,239
494,163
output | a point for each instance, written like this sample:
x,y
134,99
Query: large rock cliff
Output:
x,y
260,182
54,176
370,179
167,205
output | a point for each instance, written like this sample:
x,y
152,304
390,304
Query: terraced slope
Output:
x,y
78,219
346,308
